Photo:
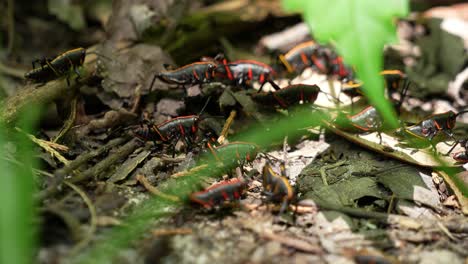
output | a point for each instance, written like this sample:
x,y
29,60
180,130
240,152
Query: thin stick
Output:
x,y
171,232
48,146
226,127
93,221
70,121
213,152
137,100
142,179
326,167
192,170
332,89
109,161
85,157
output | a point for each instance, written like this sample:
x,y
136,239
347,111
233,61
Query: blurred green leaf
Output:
x,y
68,12
17,214
359,29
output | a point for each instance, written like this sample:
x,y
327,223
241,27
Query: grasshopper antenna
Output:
x,y
204,107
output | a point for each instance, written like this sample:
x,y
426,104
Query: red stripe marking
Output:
x,y
182,130
280,101
163,138
360,127
304,59
195,74
225,195
250,74
228,70
318,64
262,78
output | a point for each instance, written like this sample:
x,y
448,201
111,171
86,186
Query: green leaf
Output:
x,y
359,29
346,192
68,12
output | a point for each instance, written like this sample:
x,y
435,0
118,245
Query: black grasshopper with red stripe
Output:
x,y
220,193
245,72
424,133
54,68
171,131
277,187
367,120
339,69
191,74
393,81
304,55
288,96
461,156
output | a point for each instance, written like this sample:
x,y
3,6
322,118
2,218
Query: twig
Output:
x,y
85,157
80,160
381,217
109,161
70,121
446,231
171,232
142,179
170,159
192,170
332,89
32,95
93,221
327,167
226,127
136,102
48,146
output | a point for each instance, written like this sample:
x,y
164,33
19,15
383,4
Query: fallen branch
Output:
x,y
85,157
41,95
109,161
75,164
